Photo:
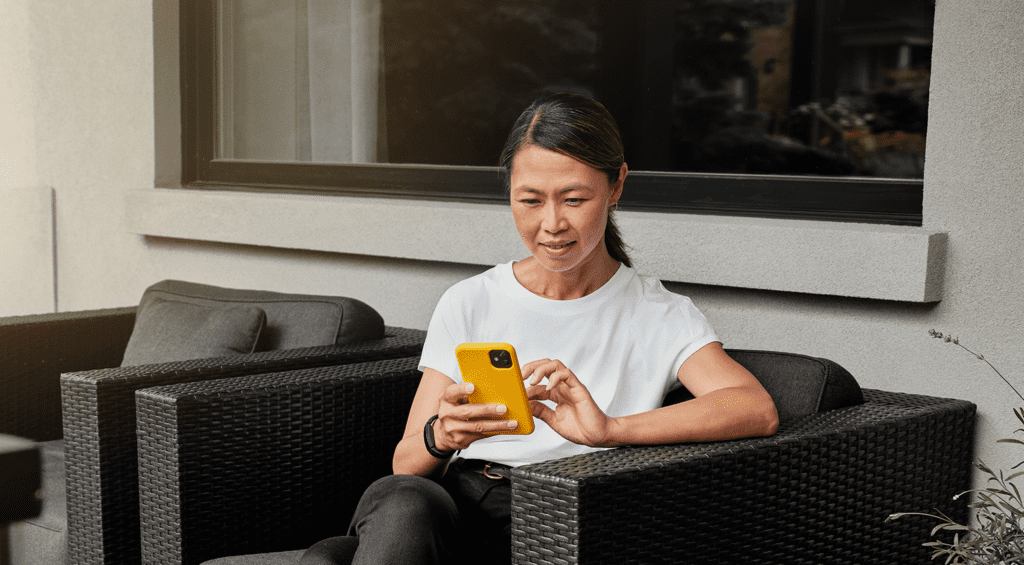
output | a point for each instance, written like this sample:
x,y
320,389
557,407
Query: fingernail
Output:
x,y
513,424
469,388
501,409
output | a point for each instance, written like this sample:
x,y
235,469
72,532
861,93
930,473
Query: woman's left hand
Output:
x,y
576,416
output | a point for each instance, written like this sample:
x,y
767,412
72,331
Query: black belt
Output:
x,y
495,471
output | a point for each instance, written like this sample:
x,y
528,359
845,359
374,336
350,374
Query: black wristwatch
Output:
x,y
428,439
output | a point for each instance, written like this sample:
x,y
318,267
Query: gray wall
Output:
x,y
98,132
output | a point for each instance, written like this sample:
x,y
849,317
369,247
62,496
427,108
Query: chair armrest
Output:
x,y
818,491
266,462
100,441
35,350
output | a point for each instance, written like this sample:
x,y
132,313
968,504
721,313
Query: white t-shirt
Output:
x,y
625,342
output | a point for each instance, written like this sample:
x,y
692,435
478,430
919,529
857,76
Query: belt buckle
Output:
x,y
490,476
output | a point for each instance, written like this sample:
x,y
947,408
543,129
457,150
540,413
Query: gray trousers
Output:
x,y
410,520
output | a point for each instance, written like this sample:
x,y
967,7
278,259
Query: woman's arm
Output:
x,y
728,403
459,424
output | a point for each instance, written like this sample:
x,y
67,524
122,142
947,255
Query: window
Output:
x,y
809,109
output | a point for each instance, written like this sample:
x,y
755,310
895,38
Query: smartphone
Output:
x,y
494,371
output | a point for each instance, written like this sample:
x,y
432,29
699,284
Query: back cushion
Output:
x,y
292,320
169,330
799,384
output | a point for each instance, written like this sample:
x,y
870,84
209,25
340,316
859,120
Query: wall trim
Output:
x,y
897,263
28,250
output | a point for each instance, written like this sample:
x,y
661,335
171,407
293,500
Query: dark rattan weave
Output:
x,y
275,462
265,462
816,492
35,350
100,440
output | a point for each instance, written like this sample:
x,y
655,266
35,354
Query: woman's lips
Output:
x,y
558,247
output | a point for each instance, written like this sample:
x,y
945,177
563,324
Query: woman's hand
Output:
x,y
576,416
460,422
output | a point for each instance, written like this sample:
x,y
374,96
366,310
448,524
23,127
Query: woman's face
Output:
x,y
560,206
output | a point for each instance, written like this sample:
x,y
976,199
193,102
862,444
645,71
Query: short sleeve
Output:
x,y
439,346
691,331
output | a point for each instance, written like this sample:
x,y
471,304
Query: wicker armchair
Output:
x,y
818,491
273,463
35,350
46,357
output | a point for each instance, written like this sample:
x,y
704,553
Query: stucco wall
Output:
x,y
974,192
92,68
25,219
77,118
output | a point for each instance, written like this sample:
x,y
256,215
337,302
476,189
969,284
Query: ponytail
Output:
x,y
613,241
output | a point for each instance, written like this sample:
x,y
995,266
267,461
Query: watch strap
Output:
x,y
428,440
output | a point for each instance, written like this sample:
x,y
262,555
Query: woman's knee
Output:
x,y
407,497
332,551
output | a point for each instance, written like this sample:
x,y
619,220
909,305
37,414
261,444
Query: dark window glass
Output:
x,y
776,108
770,87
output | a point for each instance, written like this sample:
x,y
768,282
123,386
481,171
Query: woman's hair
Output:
x,y
581,128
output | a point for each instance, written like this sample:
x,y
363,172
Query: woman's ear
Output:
x,y
617,187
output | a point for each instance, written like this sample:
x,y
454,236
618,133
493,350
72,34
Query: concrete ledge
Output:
x,y
856,260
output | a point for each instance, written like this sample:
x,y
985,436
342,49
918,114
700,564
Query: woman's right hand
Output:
x,y
459,422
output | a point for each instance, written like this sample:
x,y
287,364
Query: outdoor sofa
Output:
x,y
62,384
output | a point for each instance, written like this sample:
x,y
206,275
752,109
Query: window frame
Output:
x,y
839,199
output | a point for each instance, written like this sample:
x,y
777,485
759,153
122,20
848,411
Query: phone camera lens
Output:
x,y
501,359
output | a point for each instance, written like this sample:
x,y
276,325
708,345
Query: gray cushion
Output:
x,y
277,558
42,540
799,384
172,330
293,320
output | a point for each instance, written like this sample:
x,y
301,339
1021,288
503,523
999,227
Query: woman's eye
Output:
x,y
530,202
574,201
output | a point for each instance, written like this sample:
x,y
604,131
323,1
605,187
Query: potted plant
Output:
x,y
996,535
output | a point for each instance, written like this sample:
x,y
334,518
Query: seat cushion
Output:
x,y
293,320
42,540
799,384
172,330
276,558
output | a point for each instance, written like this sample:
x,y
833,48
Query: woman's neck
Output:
x,y
575,283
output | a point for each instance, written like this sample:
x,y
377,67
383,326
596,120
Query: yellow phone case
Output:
x,y
496,384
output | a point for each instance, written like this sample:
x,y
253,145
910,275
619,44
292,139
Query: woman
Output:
x,y
604,345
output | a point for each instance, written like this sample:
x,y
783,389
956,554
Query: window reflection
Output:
x,y
299,80
806,87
